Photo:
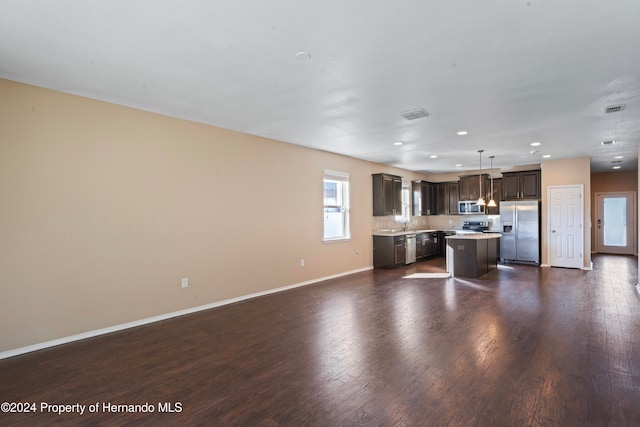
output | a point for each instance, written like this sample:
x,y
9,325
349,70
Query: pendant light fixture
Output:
x,y
480,201
492,203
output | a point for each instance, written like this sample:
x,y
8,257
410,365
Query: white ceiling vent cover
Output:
x,y
614,109
415,114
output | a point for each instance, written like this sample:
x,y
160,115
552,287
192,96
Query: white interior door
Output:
x,y
566,213
615,223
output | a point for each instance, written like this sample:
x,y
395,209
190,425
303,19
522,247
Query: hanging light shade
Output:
x,y
480,201
492,203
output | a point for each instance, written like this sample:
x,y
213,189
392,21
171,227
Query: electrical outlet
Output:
x,y
302,263
185,282
356,252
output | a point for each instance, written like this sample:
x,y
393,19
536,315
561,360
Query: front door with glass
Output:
x,y
615,224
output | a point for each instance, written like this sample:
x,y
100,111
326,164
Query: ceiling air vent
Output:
x,y
614,108
415,114
608,142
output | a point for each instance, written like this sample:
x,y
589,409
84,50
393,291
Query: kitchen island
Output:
x,y
472,255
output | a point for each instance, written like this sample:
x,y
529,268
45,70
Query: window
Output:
x,y
406,195
336,206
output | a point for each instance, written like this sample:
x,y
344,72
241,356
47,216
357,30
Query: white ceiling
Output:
x,y
508,71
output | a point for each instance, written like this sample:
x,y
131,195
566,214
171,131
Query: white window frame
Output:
x,y
342,178
406,204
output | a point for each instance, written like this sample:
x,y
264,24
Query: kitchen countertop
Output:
x,y
400,232
406,232
475,236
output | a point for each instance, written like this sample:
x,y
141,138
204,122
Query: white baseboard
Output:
x,y
581,268
123,326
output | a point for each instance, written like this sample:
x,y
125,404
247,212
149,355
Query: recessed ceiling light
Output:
x,y
459,165
463,132
398,143
433,156
619,157
546,156
617,167
536,144
608,142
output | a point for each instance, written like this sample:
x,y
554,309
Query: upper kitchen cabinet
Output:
x,y
423,198
470,186
447,198
521,185
453,196
387,194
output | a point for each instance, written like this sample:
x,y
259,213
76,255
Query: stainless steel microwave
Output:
x,y
469,207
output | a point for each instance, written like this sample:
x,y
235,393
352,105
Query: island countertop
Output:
x,y
474,236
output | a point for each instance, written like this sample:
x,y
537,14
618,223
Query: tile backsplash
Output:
x,y
436,222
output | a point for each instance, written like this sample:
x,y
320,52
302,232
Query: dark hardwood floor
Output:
x,y
522,346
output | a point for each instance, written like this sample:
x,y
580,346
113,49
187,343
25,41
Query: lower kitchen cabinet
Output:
x,y
388,251
424,247
435,244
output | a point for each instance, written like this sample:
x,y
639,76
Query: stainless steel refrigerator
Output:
x,y
520,224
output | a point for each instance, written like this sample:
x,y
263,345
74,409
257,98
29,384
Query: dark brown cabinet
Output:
x,y
399,250
428,245
441,195
435,243
470,186
422,198
453,189
521,185
447,198
389,251
387,194
423,246
530,185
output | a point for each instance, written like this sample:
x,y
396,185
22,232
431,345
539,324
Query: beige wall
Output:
x,y
105,208
576,171
609,182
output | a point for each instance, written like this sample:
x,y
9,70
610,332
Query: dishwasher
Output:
x,y
410,252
